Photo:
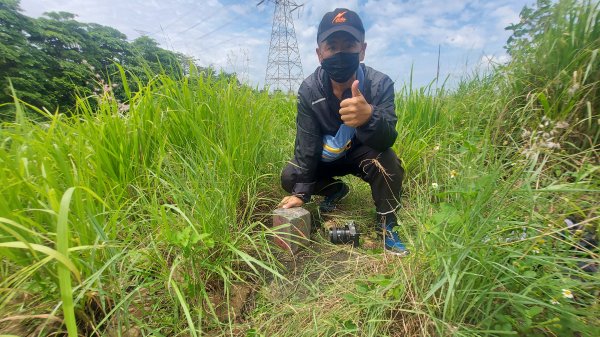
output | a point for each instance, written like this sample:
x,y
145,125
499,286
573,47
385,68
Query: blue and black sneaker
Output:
x,y
329,203
392,242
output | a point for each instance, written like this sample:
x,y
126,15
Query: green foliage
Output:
x,y
146,215
493,170
52,59
159,198
555,62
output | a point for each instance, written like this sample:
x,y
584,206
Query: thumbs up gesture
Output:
x,y
355,111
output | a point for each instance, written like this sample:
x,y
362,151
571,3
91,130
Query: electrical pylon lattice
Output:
x,y
284,68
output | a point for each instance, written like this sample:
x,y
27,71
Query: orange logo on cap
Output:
x,y
339,18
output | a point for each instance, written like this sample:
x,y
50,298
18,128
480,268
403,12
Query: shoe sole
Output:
x,y
391,252
406,252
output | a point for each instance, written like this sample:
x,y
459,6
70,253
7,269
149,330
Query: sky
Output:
x,y
234,35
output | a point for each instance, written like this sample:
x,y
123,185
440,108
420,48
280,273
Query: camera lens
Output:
x,y
344,235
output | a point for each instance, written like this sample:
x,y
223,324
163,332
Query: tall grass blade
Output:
x,y
54,254
64,276
185,308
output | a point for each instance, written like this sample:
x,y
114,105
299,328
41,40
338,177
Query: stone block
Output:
x,y
297,233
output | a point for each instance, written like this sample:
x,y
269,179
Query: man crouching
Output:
x,y
346,124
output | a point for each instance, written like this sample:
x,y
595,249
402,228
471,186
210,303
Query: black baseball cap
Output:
x,y
341,19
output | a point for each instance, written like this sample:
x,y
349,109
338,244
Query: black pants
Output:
x,y
382,170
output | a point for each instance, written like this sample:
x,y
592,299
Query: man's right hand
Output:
x,y
290,201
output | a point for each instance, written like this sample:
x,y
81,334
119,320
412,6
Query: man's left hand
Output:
x,y
290,202
355,111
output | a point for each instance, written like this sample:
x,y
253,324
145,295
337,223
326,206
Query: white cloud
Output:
x,y
467,37
505,16
234,35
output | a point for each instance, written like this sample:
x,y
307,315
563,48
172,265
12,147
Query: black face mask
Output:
x,y
341,66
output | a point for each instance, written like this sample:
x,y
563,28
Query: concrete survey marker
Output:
x,y
292,227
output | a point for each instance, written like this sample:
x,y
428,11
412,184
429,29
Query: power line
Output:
x,y
162,29
201,21
216,29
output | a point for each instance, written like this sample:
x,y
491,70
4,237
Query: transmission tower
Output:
x,y
284,69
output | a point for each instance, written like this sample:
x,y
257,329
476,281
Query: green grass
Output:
x,y
491,254
163,192
151,220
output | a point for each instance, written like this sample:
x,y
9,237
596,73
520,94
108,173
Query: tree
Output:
x,y
51,59
19,60
147,53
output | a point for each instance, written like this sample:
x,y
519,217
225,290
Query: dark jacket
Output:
x,y
318,115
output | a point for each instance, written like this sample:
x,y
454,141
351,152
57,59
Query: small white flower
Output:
x,y
572,90
436,148
554,302
567,293
552,145
435,185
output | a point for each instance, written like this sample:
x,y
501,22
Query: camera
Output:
x,y
345,235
